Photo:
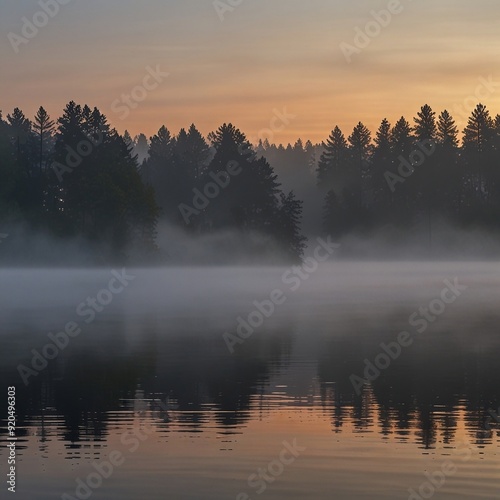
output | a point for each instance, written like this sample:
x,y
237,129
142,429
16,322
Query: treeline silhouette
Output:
x,y
79,178
403,176
413,171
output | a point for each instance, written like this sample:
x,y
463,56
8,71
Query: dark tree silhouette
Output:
x,y
288,226
360,153
333,216
333,163
44,127
101,196
83,180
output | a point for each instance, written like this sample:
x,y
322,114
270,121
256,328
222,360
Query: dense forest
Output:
x,y
76,179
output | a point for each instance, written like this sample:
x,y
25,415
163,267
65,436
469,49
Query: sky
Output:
x,y
277,69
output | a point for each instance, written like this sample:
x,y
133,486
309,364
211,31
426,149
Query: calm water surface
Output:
x,y
151,382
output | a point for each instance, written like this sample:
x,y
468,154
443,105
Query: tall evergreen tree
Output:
x,y
102,196
382,162
360,152
333,164
448,175
165,172
128,139
479,130
477,145
402,142
160,153
402,146
20,131
249,201
447,131
425,124
44,128
427,192
287,226
193,152
25,148
10,176
252,200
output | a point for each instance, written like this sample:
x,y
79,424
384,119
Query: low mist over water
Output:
x,y
220,366
249,250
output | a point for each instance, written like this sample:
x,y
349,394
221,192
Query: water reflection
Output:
x,y
439,391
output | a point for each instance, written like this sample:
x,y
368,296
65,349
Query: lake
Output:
x,y
348,380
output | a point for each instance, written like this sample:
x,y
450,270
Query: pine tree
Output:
x,y
160,152
44,127
252,201
298,147
447,131
103,197
165,172
333,163
479,130
381,162
401,138
428,193
448,174
10,176
26,157
193,152
425,124
360,151
478,145
288,227
20,128
127,206
403,198
128,139
311,157
383,138
360,142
